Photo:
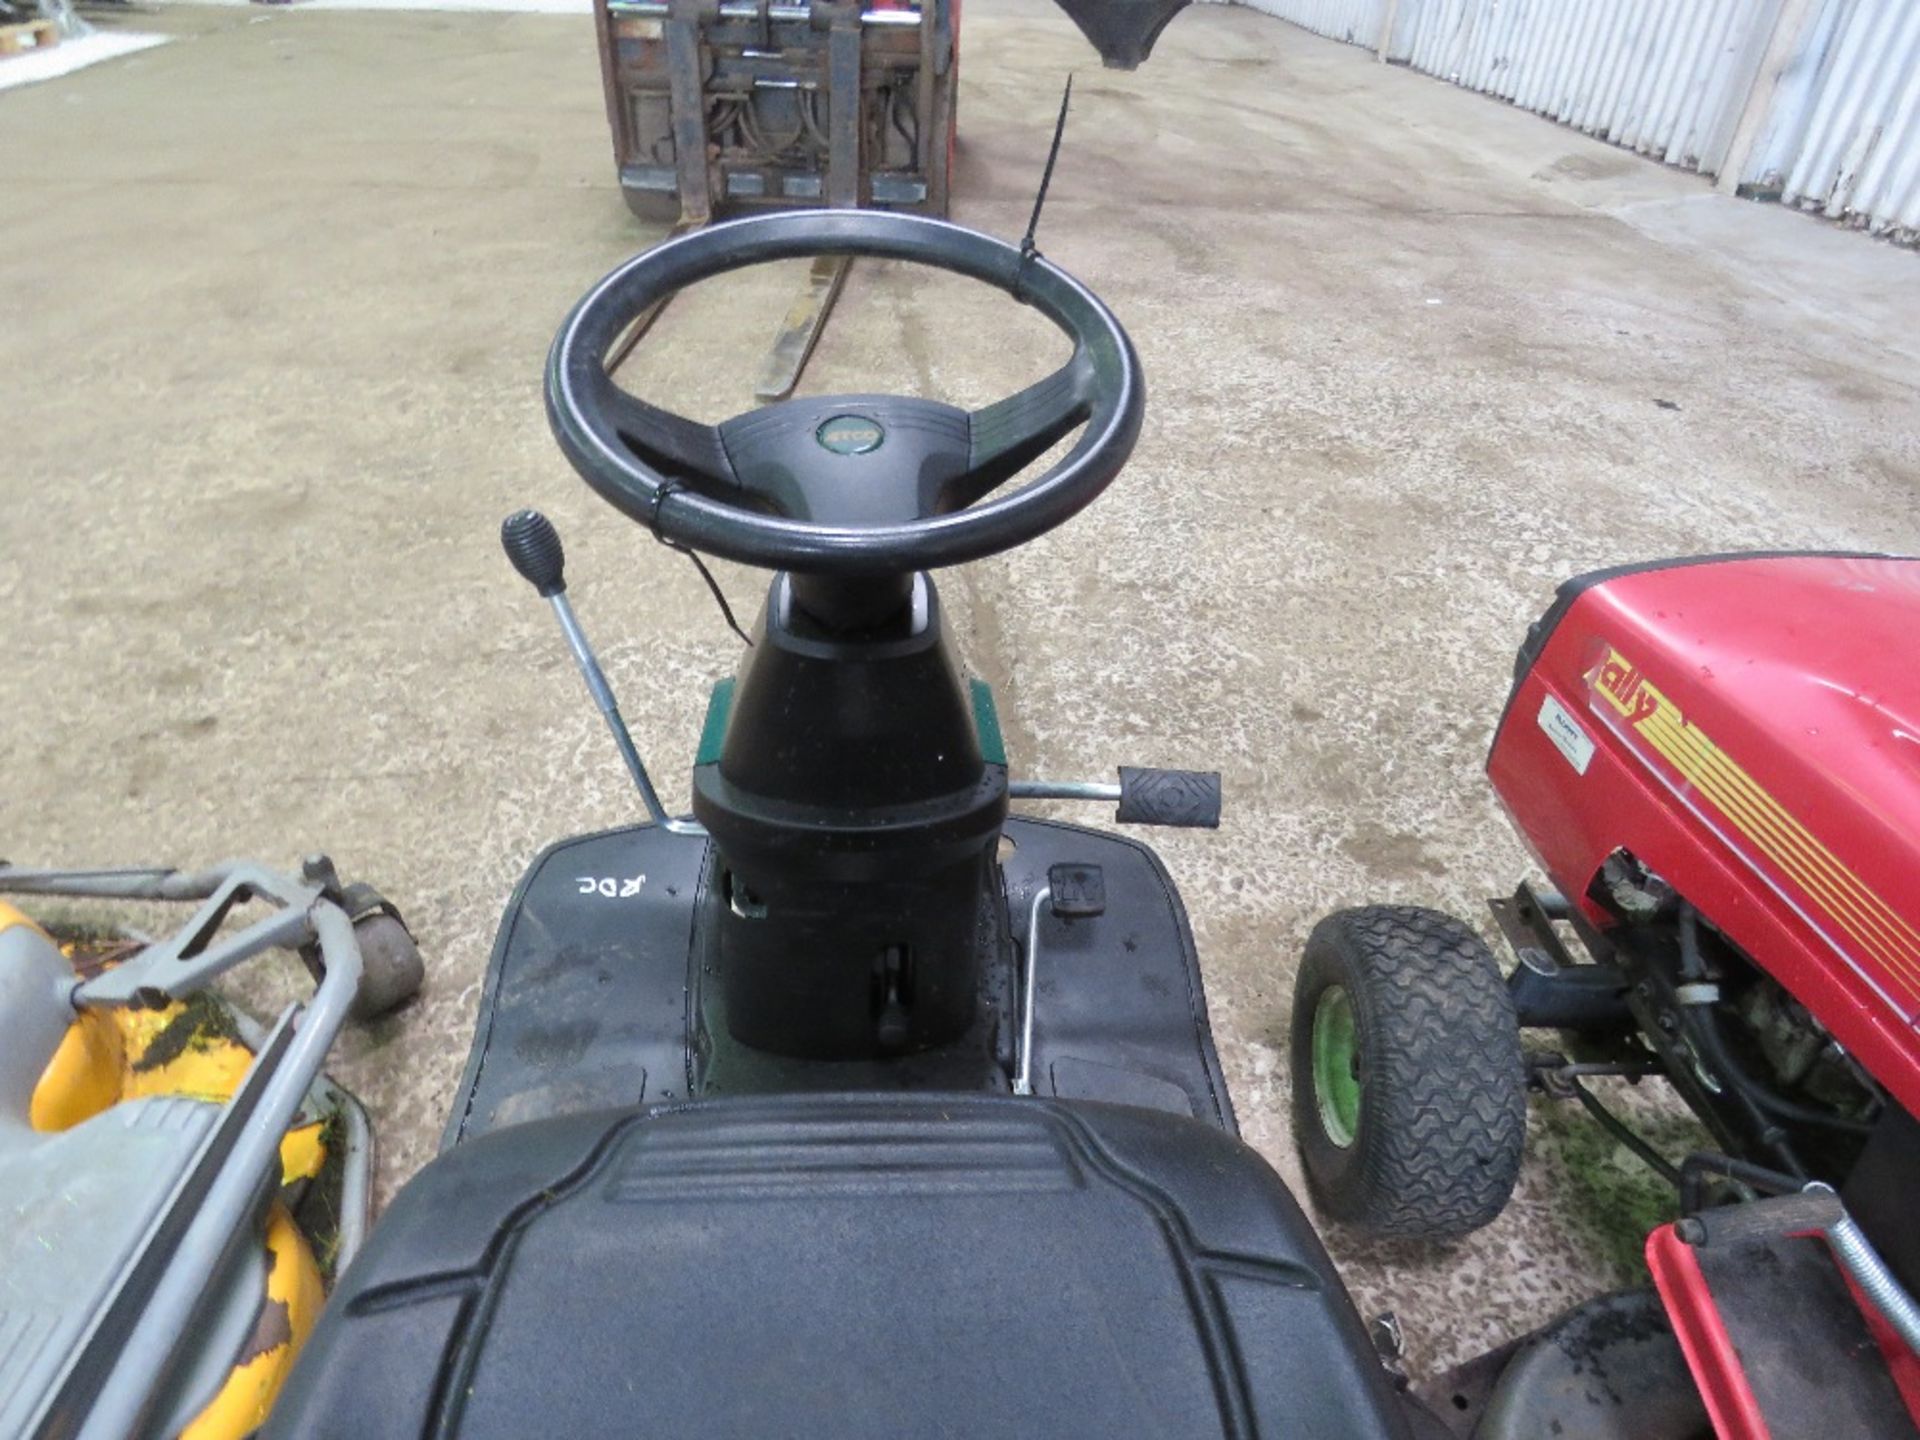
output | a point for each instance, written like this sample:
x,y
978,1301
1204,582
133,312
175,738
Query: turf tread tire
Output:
x,y
1443,1108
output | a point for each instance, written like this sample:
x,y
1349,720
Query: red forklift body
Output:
x,y
1748,727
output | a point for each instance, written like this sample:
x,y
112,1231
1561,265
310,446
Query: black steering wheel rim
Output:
x,y
1102,379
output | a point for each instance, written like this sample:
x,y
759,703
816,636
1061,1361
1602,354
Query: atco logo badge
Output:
x,y
850,434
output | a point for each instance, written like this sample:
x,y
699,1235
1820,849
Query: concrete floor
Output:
x,y
277,298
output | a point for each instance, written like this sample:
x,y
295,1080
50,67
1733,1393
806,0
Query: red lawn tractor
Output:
x,y
1717,764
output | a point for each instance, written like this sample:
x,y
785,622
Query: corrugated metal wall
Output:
x,y
1357,22
1842,134
1664,77
1673,79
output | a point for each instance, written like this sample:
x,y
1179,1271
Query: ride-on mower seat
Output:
x,y
844,1266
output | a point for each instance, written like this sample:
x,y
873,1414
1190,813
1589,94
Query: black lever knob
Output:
x,y
1186,798
533,545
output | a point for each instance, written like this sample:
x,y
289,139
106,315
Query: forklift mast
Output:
x,y
725,105
719,107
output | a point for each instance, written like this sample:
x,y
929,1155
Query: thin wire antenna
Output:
x,y
1046,175
713,585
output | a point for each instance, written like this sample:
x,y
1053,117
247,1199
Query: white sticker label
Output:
x,y
1565,733
611,887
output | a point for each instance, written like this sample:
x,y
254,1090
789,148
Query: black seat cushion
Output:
x,y
844,1266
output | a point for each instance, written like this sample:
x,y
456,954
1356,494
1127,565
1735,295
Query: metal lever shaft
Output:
x,y
602,693
533,545
1187,799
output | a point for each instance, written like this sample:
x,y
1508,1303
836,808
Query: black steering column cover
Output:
x,y
679,477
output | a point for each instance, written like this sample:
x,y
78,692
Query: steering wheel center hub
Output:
x,y
850,434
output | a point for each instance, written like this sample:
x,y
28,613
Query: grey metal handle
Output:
x,y
111,1382
194,955
1187,799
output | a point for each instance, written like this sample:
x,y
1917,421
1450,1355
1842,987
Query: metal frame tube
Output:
x,y
1860,1260
155,883
1063,790
220,1195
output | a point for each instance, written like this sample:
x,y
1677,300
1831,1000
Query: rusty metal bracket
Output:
x,y
686,76
843,103
800,331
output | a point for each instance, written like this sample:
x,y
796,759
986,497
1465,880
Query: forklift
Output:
x,y
720,107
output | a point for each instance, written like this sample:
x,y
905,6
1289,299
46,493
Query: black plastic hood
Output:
x,y
1123,31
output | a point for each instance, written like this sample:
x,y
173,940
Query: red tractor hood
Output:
x,y
1749,727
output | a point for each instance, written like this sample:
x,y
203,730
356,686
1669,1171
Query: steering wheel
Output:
x,y
847,484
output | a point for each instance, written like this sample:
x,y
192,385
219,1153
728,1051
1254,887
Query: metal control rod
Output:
x,y
533,546
602,693
1023,1069
1063,790
1182,798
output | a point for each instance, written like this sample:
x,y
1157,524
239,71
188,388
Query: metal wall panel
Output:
x,y
1842,134
1663,77
1356,21
1672,79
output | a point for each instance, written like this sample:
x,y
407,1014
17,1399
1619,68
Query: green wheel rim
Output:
x,y
1336,1069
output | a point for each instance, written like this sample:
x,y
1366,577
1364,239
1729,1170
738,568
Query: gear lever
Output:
x,y
533,545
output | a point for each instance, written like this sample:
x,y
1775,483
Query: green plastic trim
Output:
x,y
986,721
1336,1078
714,732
